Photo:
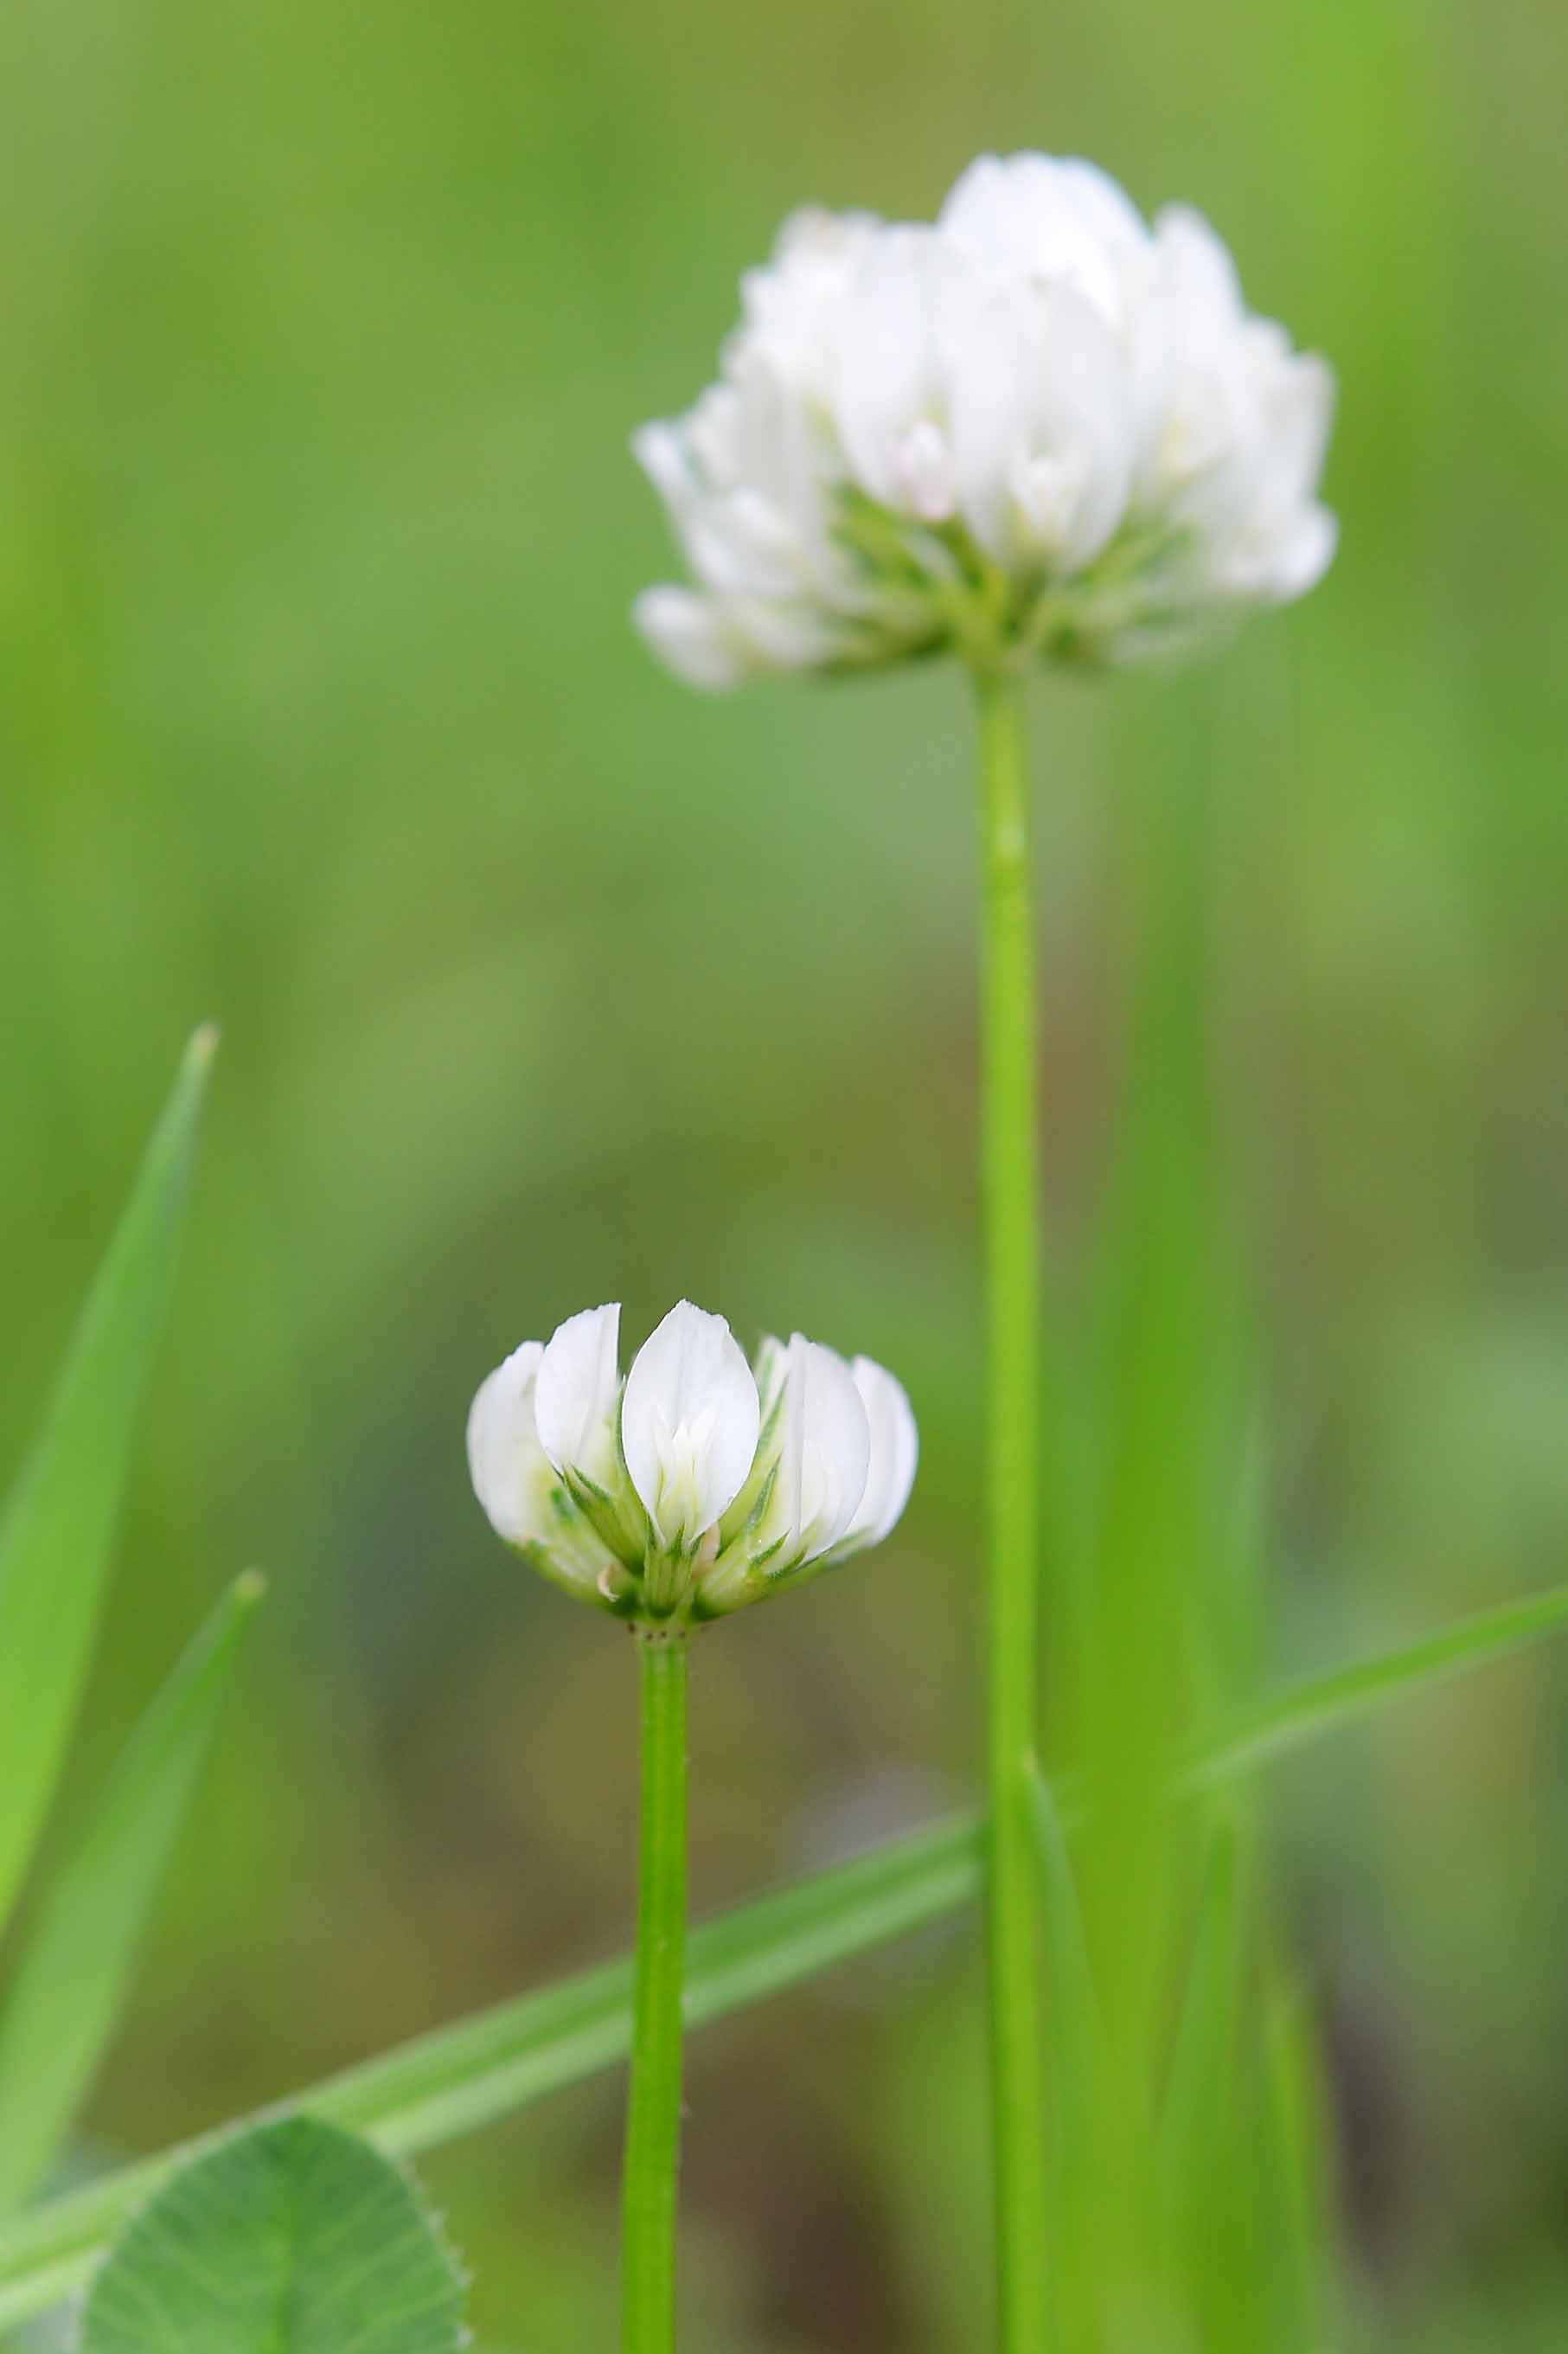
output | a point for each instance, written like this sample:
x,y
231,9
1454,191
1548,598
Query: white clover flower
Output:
x,y
695,1485
1039,426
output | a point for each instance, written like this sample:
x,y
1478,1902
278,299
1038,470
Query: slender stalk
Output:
x,y
654,2116
1011,1194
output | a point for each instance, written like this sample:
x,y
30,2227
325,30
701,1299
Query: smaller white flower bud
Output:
x,y
699,1485
689,1425
520,1490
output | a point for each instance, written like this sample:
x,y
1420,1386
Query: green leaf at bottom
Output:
x,y
294,2238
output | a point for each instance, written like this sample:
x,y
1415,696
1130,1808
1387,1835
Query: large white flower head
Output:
x,y
697,1484
1039,427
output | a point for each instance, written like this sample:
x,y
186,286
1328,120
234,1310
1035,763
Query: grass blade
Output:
x,y
60,1521
61,2005
479,2070
1308,1710
482,2069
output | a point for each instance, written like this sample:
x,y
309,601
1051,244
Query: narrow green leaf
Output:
x,y
482,2068
58,1522
60,2007
1304,1712
294,2238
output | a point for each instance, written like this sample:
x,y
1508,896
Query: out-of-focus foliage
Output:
x,y
544,983
66,1978
60,2004
59,1520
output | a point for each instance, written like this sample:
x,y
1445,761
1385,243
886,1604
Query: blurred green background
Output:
x,y
543,981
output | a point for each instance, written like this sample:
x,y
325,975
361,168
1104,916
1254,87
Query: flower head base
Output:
x,y
699,1483
1039,427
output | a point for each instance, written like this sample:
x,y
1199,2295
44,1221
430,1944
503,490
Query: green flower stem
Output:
x,y
654,2118
1010,1197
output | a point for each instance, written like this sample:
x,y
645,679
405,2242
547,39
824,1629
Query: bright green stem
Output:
x,y
1010,1200
654,2119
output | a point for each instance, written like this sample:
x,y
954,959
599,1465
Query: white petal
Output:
x,y
689,634
660,450
1044,438
778,448
794,306
992,407
1200,269
1301,416
821,1445
1280,560
889,376
689,1423
1045,219
504,1457
894,1452
924,473
834,1441
579,1388
782,637
520,1489
1304,556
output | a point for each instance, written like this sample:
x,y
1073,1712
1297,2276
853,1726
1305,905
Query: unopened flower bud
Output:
x,y
697,1485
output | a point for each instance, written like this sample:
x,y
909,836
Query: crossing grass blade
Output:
x,y
61,2003
59,1524
465,2076
1305,1712
482,2068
